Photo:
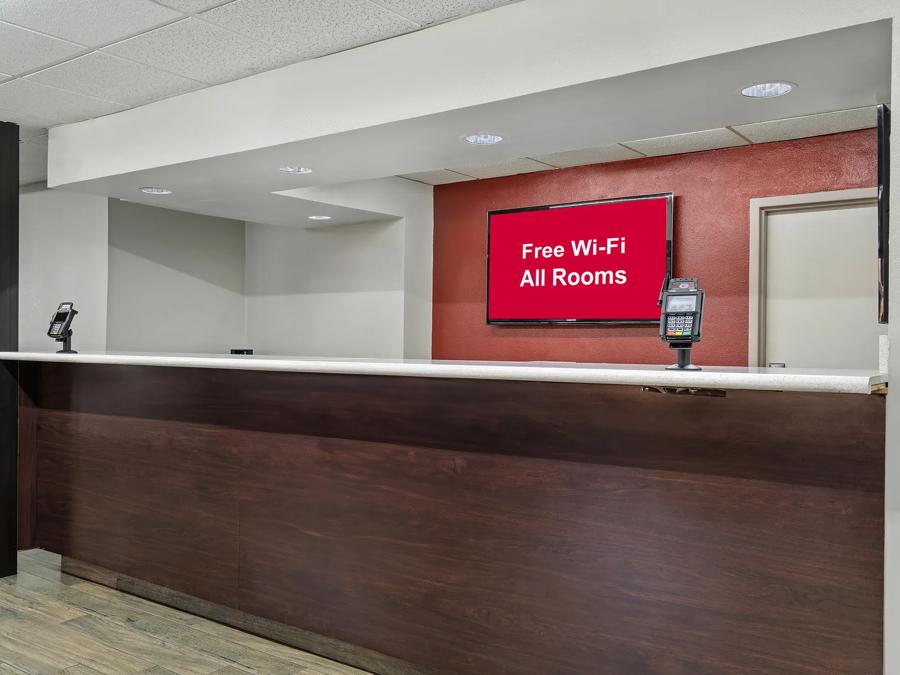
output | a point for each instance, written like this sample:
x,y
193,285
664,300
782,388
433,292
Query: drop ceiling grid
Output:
x,y
111,78
23,50
201,51
90,23
62,35
66,62
192,6
78,75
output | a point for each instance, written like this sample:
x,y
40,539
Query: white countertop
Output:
x,y
711,377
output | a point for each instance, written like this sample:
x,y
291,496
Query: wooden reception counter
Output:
x,y
472,518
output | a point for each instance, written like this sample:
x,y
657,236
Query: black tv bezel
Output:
x,y
883,114
670,254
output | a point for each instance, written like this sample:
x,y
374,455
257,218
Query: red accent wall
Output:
x,y
712,199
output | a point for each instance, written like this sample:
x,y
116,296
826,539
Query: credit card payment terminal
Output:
x,y
681,319
61,326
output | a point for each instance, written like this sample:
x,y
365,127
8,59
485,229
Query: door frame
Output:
x,y
760,208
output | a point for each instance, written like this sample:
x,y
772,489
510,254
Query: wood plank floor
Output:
x,y
55,623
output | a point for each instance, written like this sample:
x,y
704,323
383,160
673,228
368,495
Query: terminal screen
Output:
x,y
682,303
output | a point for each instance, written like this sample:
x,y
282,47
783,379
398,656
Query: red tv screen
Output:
x,y
592,262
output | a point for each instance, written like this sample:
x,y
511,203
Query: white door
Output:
x,y
821,288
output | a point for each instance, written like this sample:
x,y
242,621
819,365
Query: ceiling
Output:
x,y
802,126
684,107
65,61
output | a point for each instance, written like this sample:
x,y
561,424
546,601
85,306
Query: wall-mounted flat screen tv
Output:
x,y
600,261
884,199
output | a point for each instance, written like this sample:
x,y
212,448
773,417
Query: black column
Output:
x,y
9,340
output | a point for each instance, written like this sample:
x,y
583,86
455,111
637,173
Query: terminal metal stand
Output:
x,y
66,343
683,360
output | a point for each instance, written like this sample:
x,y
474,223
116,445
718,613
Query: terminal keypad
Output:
x,y
680,325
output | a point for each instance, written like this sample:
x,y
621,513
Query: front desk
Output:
x,y
473,518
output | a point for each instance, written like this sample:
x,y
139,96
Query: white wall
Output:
x,y
335,291
371,283
413,203
181,282
62,257
176,281
418,272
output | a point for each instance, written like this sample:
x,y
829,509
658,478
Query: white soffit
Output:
x,y
231,139
277,209
608,153
696,141
324,119
438,177
809,125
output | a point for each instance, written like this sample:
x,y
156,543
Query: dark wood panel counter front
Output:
x,y
467,526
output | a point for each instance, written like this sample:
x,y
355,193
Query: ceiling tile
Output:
x,y
22,97
425,13
201,51
606,153
32,162
809,125
22,50
313,27
192,6
507,168
710,139
87,22
439,177
114,79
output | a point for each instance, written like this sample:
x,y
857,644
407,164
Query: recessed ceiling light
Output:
x,y
320,217
768,89
156,190
483,139
291,168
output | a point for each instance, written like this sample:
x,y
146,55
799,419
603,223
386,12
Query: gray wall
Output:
x,y
335,291
156,280
176,281
62,257
412,206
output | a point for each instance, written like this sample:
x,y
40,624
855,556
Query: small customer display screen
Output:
x,y
682,303
60,316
